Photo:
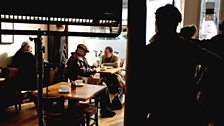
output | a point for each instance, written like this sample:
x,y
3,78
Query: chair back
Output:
x,y
96,81
53,110
11,72
91,80
122,62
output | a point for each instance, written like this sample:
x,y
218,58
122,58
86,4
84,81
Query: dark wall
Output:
x,y
136,44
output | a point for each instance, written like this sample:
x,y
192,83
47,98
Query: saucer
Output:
x,y
63,91
103,69
109,67
80,84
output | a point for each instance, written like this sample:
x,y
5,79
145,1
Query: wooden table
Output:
x,y
83,93
74,95
109,75
109,70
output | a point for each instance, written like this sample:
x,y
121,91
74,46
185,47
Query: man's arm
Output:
x,y
84,68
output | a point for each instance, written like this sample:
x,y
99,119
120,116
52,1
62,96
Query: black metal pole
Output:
x,y
135,48
39,68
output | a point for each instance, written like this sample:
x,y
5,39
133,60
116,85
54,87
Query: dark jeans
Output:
x,y
113,83
104,100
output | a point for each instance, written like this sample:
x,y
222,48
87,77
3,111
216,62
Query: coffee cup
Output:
x,y
79,81
64,88
103,68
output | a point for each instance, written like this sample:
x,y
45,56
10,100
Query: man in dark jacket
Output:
x,y
25,62
170,87
57,54
20,75
77,66
210,84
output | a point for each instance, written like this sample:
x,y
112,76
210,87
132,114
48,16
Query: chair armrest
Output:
x,y
12,72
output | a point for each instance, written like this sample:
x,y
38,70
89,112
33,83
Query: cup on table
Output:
x,y
78,82
103,68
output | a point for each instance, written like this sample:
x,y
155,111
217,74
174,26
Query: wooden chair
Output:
x,y
95,81
89,112
53,110
90,109
24,97
11,95
55,113
21,95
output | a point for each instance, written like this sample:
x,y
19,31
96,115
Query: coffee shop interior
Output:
x,y
125,25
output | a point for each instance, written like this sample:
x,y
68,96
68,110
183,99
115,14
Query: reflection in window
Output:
x,y
209,18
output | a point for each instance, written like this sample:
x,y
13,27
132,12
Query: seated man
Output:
x,y
20,75
77,66
116,81
25,62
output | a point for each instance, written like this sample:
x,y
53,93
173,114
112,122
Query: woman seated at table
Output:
x,y
77,66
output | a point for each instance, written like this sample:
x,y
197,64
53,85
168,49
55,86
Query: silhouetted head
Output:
x,y
221,27
167,19
188,31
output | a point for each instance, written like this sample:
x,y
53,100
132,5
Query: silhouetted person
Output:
x,y
216,43
211,82
189,32
57,54
169,82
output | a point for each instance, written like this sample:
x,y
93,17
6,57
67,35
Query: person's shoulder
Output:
x,y
217,37
22,54
151,49
28,56
187,42
80,58
115,55
152,45
28,53
73,56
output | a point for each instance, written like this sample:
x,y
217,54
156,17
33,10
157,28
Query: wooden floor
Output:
x,y
28,117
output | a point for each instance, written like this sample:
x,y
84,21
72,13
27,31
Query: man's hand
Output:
x,y
97,69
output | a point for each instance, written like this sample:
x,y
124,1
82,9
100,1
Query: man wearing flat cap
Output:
x,y
82,46
78,66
